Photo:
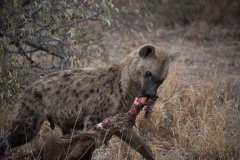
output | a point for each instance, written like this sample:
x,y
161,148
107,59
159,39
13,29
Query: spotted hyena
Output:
x,y
78,98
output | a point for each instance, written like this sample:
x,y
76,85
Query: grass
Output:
x,y
198,119
197,115
197,122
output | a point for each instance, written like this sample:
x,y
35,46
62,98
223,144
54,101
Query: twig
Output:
x,y
41,47
45,26
38,9
22,52
70,24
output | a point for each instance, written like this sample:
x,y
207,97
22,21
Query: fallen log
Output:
x,y
81,143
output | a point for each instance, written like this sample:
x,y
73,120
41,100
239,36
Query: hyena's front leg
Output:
x,y
24,129
136,142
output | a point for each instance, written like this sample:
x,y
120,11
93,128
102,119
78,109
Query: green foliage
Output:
x,y
36,32
52,27
8,89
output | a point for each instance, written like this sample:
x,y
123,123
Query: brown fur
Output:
x,y
82,97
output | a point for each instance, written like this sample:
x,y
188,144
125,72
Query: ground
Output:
x,y
197,114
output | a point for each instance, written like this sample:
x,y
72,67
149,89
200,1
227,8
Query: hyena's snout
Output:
x,y
150,90
149,93
150,87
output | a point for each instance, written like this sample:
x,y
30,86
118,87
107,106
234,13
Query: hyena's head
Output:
x,y
148,67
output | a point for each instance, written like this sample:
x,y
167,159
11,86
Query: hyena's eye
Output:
x,y
148,74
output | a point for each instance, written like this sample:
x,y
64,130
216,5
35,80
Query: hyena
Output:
x,y
78,98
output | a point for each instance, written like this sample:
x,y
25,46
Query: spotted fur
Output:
x,y
79,98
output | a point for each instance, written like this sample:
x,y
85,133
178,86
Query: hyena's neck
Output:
x,y
130,89
126,89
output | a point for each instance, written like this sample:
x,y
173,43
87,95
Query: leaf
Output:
x,y
108,22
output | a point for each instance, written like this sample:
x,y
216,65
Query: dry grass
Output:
x,y
197,122
198,112
198,119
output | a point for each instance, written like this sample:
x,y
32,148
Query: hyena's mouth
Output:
x,y
150,101
149,94
154,99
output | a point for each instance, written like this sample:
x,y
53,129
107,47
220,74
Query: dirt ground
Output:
x,y
210,55
197,115
206,75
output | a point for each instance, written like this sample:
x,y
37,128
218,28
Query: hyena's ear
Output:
x,y
174,56
147,51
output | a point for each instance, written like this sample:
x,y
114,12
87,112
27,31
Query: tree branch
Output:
x,y
72,23
45,49
22,52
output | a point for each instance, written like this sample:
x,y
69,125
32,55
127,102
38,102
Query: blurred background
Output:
x,y
198,114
